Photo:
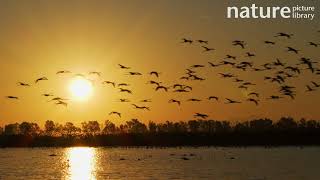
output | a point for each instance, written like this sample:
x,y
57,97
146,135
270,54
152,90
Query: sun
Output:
x,y
80,88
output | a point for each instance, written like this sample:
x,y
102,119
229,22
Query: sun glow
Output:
x,y
81,89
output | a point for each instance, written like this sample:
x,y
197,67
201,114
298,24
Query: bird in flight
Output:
x,y
95,73
61,103
116,113
174,101
202,41
154,73
213,97
41,79
23,84
109,82
184,40
281,34
269,42
230,101
135,74
123,67
125,90
141,107
124,100
63,72
47,94
201,115
146,100
206,49
291,49
162,87
12,97
123,84
253,100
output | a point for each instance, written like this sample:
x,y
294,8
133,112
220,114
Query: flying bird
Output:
x,y
23,84
41,79
116,113
123,67
201,115
230,101
12,97
154,73
174,101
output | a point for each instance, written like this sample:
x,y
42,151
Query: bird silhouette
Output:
x,y
63,72
116,113
146,100
309,89
23,84
201,115
124,100
123,84
269,42
213,97
230,57
125,90
135,74
230,101
194,100
184,40
41,79
162,87
202,41
253,100
109,82
291,49
59,102
174,101
195,66
154,73
206,49
250,54
123,67
313,44
239,43
274,97
12,97
95,73
213,65
47,94
141,107
315,84
253,94
281,34
154,82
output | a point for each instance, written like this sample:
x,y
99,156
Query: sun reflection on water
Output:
x,y
82,163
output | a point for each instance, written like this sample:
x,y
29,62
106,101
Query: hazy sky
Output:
x,y
39,38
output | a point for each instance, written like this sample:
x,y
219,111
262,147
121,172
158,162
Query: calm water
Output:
x,y
169,163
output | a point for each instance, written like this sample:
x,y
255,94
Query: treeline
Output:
x,y
264,132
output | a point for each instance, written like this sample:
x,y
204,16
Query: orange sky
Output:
x,y
39,38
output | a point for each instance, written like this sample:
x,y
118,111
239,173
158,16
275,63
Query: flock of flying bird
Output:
x,y
280,73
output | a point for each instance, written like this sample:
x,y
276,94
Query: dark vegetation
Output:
x,y
259,132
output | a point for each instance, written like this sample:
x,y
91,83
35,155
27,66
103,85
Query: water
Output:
x,y
167,163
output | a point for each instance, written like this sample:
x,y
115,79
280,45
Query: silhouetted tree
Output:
x,y
135,126
49,128
109,127
69,129
31,129
11,129
91,128
152,127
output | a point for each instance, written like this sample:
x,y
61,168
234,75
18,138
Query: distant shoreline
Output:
x,y
163,140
